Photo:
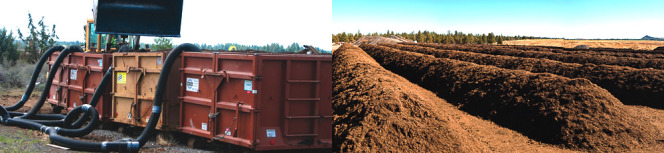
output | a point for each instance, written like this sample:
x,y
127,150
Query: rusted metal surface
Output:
x,y
77,80
56,92
260,101
135,78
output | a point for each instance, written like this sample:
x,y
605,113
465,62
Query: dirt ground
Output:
x,y
369,99
376,109
632,44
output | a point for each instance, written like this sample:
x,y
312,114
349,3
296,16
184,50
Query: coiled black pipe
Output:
x,y
57,120
4,115
124,145
35,109
128,145
39,116
67,123
35,75
93,101
63,131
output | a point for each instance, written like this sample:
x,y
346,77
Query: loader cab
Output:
x,y
97,42
91,38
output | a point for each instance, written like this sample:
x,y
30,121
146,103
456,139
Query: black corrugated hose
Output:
x,y
35,75
32,114
124,145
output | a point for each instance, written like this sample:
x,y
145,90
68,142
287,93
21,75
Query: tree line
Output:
x,y
34,43
38,38
273,47
433,37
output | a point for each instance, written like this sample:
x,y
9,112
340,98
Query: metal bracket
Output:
x,y
212,116
82,97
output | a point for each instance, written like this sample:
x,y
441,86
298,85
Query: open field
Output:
x,y
392,93
631,44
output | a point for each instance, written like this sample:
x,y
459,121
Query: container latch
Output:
x,y
212,116
82,98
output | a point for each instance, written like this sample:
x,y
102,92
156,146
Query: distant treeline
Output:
x,y
274,47
433,37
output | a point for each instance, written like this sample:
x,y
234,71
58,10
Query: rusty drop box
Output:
x,y
260,101
58,86
77,79
135,77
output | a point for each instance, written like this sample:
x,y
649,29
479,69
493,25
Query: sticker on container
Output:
x,y
204,126
122,77
247,85
271,133
129,115
228,131
74,104
72,74
192,84
100,62
158,60
254,91
53,96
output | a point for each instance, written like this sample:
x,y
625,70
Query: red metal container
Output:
x,y
259,101
56,98
82,74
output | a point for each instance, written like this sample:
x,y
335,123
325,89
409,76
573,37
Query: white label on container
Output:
x,y
129,115
100,62
271,133
72,74
204,126
247,85
74,104
53,96
254,91
228,131
158,60
192,84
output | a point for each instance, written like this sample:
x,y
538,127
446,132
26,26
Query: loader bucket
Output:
x,y
160,18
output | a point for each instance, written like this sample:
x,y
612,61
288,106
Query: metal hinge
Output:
x,y
212,116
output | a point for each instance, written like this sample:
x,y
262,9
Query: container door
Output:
x,y
199,85
235,99
124,90
77,73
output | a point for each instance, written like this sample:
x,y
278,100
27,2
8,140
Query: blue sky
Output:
x,y
558,18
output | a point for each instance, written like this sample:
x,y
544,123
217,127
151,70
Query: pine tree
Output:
x,y
343,37
500,40
37,42
162,43
335,38
8,49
